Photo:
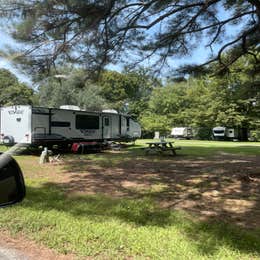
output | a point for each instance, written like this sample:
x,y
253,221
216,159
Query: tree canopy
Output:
x,y
208,101
126,92
12,92
95,33
70,88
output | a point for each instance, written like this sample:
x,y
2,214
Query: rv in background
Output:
x,y
182,132
222,133
64,126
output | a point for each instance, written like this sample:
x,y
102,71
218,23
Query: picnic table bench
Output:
x,y
160,147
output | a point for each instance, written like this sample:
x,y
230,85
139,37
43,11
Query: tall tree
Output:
x,y
70,87
232,100
12,92
128,91
165,108
97,32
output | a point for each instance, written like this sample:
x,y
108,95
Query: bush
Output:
x,y
146,134
255,135
202,133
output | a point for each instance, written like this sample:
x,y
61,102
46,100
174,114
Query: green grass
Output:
x,y
116,228
3,148
211,148
103,227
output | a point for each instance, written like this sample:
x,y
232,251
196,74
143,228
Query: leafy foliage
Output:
x,y
127,92
71,88
12,92
205,102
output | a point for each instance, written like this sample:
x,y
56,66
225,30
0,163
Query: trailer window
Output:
x,y
87,122
219,131
60,124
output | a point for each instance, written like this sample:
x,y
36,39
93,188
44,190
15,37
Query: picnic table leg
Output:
x,y
158,149
172,149
147,151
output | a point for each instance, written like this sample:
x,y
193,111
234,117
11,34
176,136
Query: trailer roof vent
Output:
x,y
70,107
113,111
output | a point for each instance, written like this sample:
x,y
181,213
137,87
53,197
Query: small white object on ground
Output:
x,y
44,158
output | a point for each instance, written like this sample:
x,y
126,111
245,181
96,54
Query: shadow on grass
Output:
x,y
139,211
207,236
212,187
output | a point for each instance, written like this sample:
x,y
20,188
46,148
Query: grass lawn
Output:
x,y
123,204
208,148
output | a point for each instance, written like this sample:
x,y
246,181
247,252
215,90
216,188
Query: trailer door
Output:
x,y
16,124
107,126
40,121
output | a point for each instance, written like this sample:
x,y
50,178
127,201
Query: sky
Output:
x,y
6,40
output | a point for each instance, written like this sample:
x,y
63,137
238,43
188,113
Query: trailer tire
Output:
x,y
80,149
8,140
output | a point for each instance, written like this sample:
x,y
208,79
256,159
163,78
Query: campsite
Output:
x,y
117,204
129,129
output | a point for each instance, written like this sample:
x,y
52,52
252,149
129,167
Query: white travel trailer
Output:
x,y
224,133
182,132
53,126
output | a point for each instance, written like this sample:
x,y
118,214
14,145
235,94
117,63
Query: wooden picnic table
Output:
x,y
160,147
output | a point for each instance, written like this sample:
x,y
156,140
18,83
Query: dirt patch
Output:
x,y
30,249
225,187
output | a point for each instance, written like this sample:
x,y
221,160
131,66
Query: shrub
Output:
x,y
255,135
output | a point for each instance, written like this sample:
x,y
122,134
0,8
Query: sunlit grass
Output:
x,y
209,148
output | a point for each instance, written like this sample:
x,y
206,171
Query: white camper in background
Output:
x,y
156,135
182,132
224,133
53,126
219,132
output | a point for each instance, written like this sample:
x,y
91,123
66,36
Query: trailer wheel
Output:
x,y
80,149
8,140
